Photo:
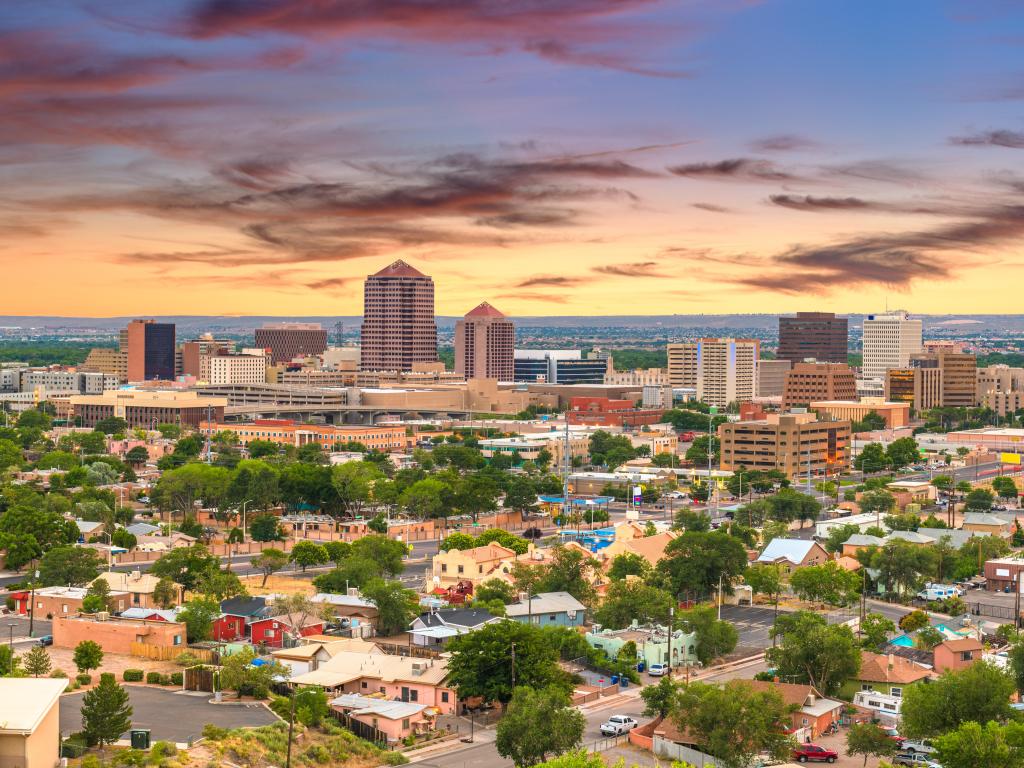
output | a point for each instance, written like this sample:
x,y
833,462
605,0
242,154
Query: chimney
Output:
x,y
892,661
136,575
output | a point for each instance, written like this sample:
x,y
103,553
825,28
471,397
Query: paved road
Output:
x,y
20,626
171,716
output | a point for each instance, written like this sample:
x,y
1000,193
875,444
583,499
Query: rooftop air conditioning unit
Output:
x,y
103,616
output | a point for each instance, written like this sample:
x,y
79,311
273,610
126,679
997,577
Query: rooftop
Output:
x,y
25,701
546,602
367,705
794,550
484,310
876,668
348,666
398,268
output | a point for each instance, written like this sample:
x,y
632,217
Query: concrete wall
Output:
x,y
117,635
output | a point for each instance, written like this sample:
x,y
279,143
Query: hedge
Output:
x,y
153,678
177,678
83,679
133,675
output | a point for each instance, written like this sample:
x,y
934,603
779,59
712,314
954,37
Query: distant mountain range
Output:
x,y
187,324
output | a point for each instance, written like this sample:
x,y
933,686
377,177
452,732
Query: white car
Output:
x,y
616,725
657,670
923,746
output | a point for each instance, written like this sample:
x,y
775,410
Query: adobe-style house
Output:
x,y
313,651
793,553
139,586
474,565
957,654
812,713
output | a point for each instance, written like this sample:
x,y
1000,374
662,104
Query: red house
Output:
x,y
271,631
237,614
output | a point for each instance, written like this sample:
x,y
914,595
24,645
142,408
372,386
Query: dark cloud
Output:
x,y
580,32
711,207
810,203
554,298
636,269
329,284
255,173
735,169
878,170
551,281
1009,139
783,143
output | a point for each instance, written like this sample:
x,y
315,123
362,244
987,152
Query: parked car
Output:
x,y
893,734
616,725
46,640
933,591
657,670
812,753
915,759
924,746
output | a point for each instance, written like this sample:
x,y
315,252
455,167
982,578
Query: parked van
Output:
x,y
939,592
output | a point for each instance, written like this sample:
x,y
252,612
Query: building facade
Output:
x,y
105,360
796,444
807,382
398,319
147,408
817,336
895,414
378,437
1001,388
890,340
485,343
560,366
771,377
151,350
722,370
289,340
233,369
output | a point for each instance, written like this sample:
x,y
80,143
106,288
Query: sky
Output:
x,y
552,157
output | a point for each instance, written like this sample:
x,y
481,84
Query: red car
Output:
x,y
812,753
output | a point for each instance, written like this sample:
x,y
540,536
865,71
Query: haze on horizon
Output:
x,y
570,157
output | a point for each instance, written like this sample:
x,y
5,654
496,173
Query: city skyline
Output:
x,y
571,158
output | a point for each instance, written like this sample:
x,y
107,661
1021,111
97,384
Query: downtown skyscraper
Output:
x,y
398,319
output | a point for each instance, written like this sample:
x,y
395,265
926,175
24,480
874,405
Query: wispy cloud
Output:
x,y
550,281
1008,139
787,142
735,169
636,269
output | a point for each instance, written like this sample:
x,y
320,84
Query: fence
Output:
x,y
673,751
199,679
362,730
171,652
988,609
603,745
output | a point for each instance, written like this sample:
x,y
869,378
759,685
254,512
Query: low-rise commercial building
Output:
x,y
793,443
606,412
652,643
116,635
288,432
147,408
895,414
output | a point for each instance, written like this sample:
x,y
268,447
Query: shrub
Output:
x,y
394,758
9,602
129,757
317,754
74,745
160,750
212,732
153,678
83,679
91,761
133,675
58,673
177,678
186,659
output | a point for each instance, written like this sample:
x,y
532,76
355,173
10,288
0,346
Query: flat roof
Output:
x,y
25,701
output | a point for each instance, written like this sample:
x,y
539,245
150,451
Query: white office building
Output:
x,y
889,342
722,371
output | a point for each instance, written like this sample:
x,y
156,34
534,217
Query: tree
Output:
x,y
220,585
914,621
979,500
265,528
496,589
632,600
457,540
307,553
165,594
9,663
902,566
97,597
765,579
826,583
698,450
396,605
1005,487
88,655
137,455
354,482
979,693
872,458
269,562
37,661
387,553
877,502
185,565
814,652
902,452
788,505
872,421
238,674
570,571
10,454
838,536
973,745
869,740
733,721
660,699
715,638
351,572
479,663
198,616
876,629
538,723
628,564
122,538
106,712
610,450
689,520
928,637
69,566
695,561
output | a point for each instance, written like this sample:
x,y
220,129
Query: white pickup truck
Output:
x,y
616,725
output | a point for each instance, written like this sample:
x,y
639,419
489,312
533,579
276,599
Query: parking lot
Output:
x,y
17,626
753,623
170,715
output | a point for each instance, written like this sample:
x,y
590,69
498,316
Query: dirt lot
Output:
x,y
278,584
61,658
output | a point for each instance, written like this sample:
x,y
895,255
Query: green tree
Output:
x,y
354,482
122,538
238,674
269,562
733,722
695,561
538,724
628,564
1005,487
337,550
570,571
351,572
812,651
826,583
69,566
628,601
838,536
37,661
876,629
715,638
872,458
106,712
457,540
869,740
691,520
88,655
220,585
496,589
979,500
660,699
979,693
927,638
137,455
10,665
165,594
396,605
387,553
902,452
10,454
902,566
198,616
610,450
877,502
766,579
914,621
699,448
479,663
97,597
265,528
185,565
973,745
517,544
307,553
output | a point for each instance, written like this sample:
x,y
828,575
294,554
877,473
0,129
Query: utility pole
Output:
x,y
513,666
671,623
291,726
720,596
565,467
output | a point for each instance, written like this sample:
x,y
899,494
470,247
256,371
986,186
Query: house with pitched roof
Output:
x,y
650,548
957,654
30,721
139,586
396,720
984,522
434,629
793,553
312,651
237,615
886,674
811,713
474,565
549,609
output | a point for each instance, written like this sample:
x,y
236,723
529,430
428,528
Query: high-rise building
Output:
x,y
151,350
771,377
941,379
808,382
798,444
722,371
560,366
1001,388
107,360
398,319
890,340
288,340
485,343
819,336
193,351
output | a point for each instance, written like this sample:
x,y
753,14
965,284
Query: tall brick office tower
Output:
x,y
398,319
485,345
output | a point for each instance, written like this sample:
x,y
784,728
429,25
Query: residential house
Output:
x,y
277,631
957,538
793,553
984,522
30,721
434,629
353,609
886,674
154,543
151,614
401,678
475,565
860,541
653,644
650,548
139,586
311,653
911,537
396,720
236,616
142,529
547,609
59,601
812,713
957,654
87,529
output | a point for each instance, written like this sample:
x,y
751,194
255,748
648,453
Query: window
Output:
x,y
461,569
866,687
444,697
136,598
364,685
966,656
414,695
405,724
552,617
405,693
896,692
177,639
64,608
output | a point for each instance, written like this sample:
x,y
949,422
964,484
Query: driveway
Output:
x,y
170,715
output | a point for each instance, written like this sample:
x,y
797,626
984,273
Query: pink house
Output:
x,y
395,719
956,654
271,631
